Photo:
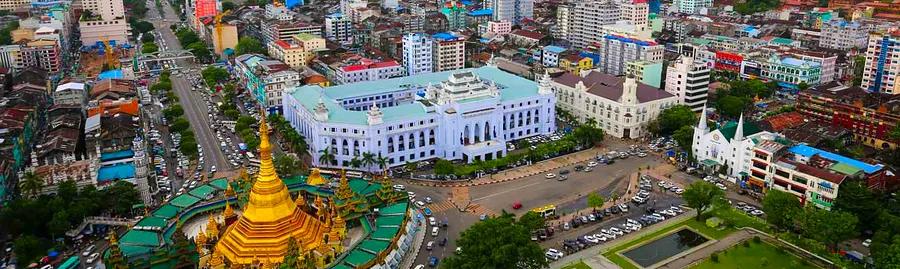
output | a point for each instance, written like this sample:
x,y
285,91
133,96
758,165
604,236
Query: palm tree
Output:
x,y
368,159
382,162
31,183
356,162
327,157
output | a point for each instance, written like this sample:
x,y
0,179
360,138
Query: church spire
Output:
x,y
739,132
702,124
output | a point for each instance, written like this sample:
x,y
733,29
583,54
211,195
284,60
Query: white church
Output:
x,y
728,146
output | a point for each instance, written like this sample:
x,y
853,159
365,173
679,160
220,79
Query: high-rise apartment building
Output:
x,y
882,63
449,52
689,82
843,35
417,54
339,28
512,10
692,6
103,20
455,12
584,23
13,4
615,51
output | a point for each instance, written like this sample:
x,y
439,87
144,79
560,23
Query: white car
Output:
x,y
552,254
428,199
432,221
867,243
591,238
721,186
420,204
600,237
412,195
592,164
399,187
550,175
93,258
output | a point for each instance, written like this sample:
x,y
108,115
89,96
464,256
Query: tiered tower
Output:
x,y
269,220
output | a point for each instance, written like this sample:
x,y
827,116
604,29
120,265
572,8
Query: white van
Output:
x,y
434,231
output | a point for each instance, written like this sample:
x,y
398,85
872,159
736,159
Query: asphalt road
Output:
x,y
195,108
534,191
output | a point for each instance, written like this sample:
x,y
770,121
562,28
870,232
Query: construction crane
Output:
x,y
111,60
218,20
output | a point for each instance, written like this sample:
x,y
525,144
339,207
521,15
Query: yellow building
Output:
x,y
229,38
298,51
575,64
271,220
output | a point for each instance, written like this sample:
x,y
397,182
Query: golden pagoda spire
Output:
x,y
215,260
315,178
112,237
212,227
344,192
200,240
300,201
228,213
229,191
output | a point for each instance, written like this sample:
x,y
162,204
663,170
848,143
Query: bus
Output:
x,y
547,211
254,163
72,263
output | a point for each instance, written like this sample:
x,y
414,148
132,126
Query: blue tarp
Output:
x,y
807,151
115,172
117,155
111,74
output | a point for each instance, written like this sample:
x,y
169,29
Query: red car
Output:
x,y
516,205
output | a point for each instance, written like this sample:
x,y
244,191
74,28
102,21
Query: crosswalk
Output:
x,y
478,210
441,206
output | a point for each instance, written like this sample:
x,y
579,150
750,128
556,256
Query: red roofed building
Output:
x,y
525,38
357,68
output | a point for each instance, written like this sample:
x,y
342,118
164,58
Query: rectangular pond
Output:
x,y
665,247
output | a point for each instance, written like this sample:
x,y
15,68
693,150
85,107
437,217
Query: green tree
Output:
x,y
29,248
179,124
120,197
147,38
186,37
497,242
31,184
673,118
532,221
326,157
895,133
67,190
228,5
59,224
443,167
369,159
213,75
200,50
731,106
701,195
232,114
889,257
594,200
856,198
803,86
173,111
139,27
249,45
148,48
588,134
382,162
189,148
780,208
684,136
859,65
286,165
828,227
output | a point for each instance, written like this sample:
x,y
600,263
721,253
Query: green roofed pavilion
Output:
x,y
140,238
731,127
135,251
389,221
167,211
341,266
184,201
221,183
363,187
385,233
358,258
202,191
152,222
398,208
375,246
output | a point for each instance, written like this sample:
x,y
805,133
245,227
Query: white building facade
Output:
x,y
513,11
464,115
616,51
622,107
728,147
584,23
417,54
689,82
339,28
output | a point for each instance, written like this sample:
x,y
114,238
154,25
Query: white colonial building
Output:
x,y
727,147
466,114
620,105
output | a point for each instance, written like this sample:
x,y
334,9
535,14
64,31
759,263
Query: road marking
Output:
x,y
509,190
441,206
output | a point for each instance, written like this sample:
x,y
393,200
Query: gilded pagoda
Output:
x,y
271,221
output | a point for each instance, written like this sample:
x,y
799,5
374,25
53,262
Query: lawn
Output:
x,y
579,265
756,255
698,226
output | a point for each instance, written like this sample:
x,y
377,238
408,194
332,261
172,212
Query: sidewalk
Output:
x,y
518,172
408,260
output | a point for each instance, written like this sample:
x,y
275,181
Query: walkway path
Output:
x,y
704,253
518,172
416,246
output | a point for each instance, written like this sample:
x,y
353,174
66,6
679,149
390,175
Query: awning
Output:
x,y
709,162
